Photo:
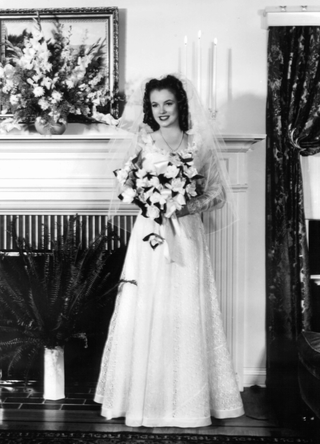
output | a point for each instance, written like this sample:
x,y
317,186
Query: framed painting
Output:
x,y
82,26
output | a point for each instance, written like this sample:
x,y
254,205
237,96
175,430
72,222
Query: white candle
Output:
x,y
199,62
186,55
214,76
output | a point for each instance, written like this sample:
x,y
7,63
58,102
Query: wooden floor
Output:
x,y
25,409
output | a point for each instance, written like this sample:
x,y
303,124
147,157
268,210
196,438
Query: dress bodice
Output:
x,y
151,153
212,194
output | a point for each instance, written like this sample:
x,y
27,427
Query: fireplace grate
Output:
x,y
40,230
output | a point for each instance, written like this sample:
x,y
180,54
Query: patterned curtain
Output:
x,y
293,130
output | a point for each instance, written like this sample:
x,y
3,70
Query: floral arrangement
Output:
x,y
161,189
50,79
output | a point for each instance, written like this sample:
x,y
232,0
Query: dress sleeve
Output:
x,y
212,194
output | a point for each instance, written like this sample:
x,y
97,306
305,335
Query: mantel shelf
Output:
x,y
235,143
315,278
232,142
63,138
240,138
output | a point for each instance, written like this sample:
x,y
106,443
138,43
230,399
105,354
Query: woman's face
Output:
x,y
164,108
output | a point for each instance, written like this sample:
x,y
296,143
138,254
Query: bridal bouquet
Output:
x,y
48,78
161,189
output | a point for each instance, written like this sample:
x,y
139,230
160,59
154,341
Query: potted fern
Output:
x,y
42,299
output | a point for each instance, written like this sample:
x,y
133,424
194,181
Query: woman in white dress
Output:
x,y
166,361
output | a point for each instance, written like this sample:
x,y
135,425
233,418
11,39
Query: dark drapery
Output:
x,y
293,129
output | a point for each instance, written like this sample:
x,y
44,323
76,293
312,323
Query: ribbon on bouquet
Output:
x,y
171,227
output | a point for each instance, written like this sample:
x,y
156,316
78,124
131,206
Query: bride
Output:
x,y
166,361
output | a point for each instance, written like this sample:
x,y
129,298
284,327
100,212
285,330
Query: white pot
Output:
x,y
54,373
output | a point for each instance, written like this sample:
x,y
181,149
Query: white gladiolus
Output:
x,y
44,104
9,71
70,83
46,82
56,96
14,99
38,91
8,86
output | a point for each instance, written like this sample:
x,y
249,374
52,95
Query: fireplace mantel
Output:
x,y
64,175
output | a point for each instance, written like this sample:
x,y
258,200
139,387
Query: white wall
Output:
x,y
255,325
152,43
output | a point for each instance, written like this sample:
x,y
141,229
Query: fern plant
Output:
x,y
42,297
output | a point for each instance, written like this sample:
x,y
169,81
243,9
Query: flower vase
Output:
x,y
54,383
50,127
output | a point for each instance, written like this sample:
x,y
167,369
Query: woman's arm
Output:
x,y
207,202
213,195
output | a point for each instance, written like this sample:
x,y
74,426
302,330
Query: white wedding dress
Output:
x,y
166,361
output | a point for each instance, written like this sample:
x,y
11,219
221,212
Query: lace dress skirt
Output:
x,y
166,361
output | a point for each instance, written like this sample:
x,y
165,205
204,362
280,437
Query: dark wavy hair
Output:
x,y
175,86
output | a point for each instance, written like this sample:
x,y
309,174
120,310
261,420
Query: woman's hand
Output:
x,y
183,212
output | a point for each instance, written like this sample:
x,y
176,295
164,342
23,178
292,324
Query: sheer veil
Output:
x,y
209,158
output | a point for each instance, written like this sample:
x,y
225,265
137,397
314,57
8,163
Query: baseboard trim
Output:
x,y
254,376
